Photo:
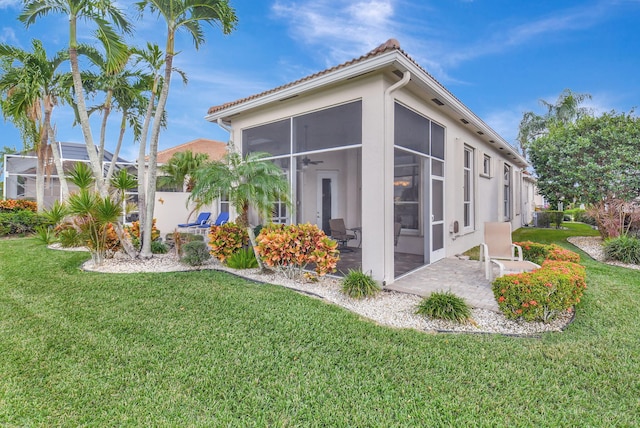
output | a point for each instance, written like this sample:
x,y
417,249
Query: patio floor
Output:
x,y
464,278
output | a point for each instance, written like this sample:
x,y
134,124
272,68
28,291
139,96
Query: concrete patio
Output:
x,y
464,278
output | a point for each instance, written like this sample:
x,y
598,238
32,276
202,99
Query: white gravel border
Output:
x,y
389,308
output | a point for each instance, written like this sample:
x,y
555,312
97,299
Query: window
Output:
x,y
406,189
486,166
507,192
21,186
273,138
468,187
329,128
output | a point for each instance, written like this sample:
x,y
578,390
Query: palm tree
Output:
x,y
180,168
567,109
252,181
187,15
105,15
31,87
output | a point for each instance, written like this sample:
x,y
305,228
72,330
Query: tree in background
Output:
x,y
180,169
30,87
186,15
593,160
567,109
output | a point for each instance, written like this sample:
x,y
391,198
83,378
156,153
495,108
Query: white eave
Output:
x,y
456,108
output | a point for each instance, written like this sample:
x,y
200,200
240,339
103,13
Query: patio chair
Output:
x,y
340,234
498,249
222,219
202,219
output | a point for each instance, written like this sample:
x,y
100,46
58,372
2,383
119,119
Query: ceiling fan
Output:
x,y
306,161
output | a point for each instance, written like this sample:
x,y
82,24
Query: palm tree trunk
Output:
x,y
153,149
116,152
96,162
64,187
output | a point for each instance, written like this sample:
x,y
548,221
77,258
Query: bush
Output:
x,y
196,253
18,205
45,235
445,306
134,231
227,239
20,221
538,253
542,294
357,284
69,238
291,248
158,247
624,249
244,258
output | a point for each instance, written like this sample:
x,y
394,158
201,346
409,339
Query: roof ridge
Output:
x,y
389,45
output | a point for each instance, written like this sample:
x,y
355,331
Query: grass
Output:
x,y
209,349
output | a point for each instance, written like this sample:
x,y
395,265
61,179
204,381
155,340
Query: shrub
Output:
x,y
196,253
69,237
45,235
357,284
158,247
134,230
20,221
538,253
291,248
227,239
445,306
244,258
18,205
542,294
624,249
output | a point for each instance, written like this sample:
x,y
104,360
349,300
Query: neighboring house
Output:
x,y
20,171
378,141
172,207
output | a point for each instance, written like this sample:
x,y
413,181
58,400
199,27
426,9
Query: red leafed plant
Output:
x,y
291,248
227,239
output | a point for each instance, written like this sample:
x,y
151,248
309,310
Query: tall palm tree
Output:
x,y
252,181
152,60
31,86
187,15
105,15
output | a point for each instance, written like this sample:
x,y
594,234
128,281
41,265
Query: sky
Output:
x,y
499,57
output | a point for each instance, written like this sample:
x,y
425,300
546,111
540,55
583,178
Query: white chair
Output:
x,y
499,249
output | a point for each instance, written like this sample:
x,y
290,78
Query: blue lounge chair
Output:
x,y
222,219
202,219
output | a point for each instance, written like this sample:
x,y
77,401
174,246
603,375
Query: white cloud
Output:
x,y
8,35
10,3
345,30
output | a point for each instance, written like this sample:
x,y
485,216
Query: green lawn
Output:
x,y
209,349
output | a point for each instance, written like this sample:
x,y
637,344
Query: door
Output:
x,y
327,199
437,251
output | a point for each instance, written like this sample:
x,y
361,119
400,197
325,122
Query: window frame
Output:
x,y
468,188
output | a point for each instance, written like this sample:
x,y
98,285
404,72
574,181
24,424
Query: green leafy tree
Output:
x,y
188,15
567,109
593,160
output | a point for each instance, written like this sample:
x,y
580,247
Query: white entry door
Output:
x,y
327,199
437,250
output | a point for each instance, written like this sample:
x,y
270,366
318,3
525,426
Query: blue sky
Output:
x,y
499,57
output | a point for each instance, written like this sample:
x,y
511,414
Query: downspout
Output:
x,y
388,145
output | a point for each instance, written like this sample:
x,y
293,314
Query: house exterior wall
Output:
x,y
376,216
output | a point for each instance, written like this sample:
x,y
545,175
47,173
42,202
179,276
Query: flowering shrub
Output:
x,y
134,230
227,239
18,204
538,253
292,248
542,294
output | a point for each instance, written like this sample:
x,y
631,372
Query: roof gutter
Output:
x,y
388,157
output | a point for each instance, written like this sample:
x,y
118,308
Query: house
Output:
x,y
378,141
19,176
172,207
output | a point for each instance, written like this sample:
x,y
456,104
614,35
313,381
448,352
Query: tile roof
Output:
x,y
215,149
389,45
